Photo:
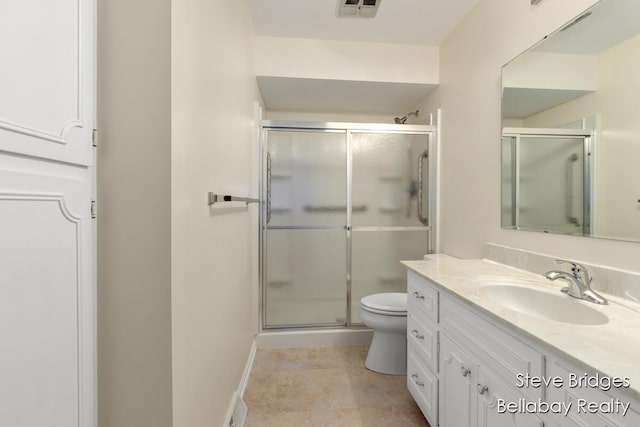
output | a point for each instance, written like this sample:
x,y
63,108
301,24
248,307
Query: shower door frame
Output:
x,y
348,128
588,166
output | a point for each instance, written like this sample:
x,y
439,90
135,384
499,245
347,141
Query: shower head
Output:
x,y
402,120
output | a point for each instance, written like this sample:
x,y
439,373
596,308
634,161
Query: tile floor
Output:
x,y
325,386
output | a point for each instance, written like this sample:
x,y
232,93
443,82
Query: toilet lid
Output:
x,y
391,302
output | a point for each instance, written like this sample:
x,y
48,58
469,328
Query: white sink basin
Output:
x,y
540,303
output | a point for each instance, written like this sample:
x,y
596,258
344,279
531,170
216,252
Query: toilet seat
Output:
x,y
388,304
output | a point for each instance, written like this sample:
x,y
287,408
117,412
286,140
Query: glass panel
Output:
x,y
376,257
385,179
306,277
550,184
308,178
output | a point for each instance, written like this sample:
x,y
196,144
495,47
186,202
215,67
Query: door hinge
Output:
x,y
94,210
94,138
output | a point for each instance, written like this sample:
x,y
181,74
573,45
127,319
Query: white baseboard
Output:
x,y
247,369
237,411
313,338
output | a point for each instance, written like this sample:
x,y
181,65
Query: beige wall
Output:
x,y
134,194
213,149
493,33
177,281
346,60
308,116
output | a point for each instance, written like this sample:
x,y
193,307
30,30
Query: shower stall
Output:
x,y
546,180
342,205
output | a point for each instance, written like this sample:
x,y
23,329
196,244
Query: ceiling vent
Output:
x,y
358,8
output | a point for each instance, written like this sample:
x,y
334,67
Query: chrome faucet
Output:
x,y
579,282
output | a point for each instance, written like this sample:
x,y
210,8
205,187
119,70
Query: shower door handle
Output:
x,y
569,183
268,187
421,217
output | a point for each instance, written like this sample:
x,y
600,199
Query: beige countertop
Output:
x,y
613,349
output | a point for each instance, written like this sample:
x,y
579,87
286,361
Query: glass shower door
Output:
x,y
390,176
550,187
306,221
546,183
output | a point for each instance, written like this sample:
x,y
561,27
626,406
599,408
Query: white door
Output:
x,y
47,309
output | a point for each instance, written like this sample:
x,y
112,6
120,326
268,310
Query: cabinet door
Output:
x,y
457,385
490,391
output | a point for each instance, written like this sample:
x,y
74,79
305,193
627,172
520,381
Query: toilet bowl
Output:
x,y
386,314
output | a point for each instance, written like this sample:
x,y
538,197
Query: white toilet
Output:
x,y
386,314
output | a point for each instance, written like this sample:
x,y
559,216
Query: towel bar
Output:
x,y
218,198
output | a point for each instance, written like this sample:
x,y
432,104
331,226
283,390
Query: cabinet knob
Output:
x,y
416,334
417,295
482,389
465,371
416,379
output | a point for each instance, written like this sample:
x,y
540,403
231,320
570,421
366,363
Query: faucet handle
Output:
x,y
578,270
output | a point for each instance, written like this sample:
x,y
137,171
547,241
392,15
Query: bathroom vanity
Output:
x,y
493,346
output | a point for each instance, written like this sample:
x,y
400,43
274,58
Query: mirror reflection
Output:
x,y
571,128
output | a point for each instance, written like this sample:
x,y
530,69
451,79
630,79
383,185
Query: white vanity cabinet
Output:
x,y
467,366
581,395
470,392
451,346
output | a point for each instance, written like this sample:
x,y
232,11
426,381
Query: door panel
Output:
x,y
47,309
551,184
385,176
545,183
306,277
308,175
376,264
46,296
47,79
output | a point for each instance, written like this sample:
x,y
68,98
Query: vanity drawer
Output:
x,y
497,349
423,386
422,296
422,336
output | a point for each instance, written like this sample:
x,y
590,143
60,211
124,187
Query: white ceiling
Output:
x,y
422,22
610,23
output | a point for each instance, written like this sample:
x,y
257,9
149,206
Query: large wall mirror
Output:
x,y
571,128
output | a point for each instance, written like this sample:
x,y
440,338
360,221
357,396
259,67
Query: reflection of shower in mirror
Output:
x,y
571,218
585,76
